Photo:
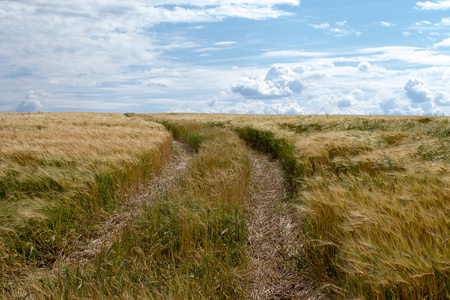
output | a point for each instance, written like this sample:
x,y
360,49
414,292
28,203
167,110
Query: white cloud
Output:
x,y
408,54
421,23
32,102
445,22
441,98
416,91
279,82
106,44
364,88
183,108
364,66
294,53
406,33
346,100
341,29
212,102
394,106
225,43
342,23
218,46
202,3
259,107
387,24
388,106
428,5
320,26
444,43
158,82
162,72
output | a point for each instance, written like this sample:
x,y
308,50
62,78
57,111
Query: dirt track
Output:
x,y
166,180
273,236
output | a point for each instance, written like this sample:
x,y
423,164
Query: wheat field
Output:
x,y
61,173
371,195
374,197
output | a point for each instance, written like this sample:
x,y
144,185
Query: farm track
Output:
x,y
273,236
273,232
167,179
85,252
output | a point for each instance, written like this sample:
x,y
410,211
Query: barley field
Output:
x,y
373,194
61,174
370,196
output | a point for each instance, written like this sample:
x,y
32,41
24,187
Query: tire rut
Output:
x,y
274,236
167,179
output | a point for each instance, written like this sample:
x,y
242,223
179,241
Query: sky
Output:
x,y
226,56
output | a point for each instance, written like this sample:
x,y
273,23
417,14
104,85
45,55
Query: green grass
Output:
x,y
266,142
52,195
371,194
373,199
190,244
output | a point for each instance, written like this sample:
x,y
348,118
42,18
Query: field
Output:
x,y
373,194
60,175
368,203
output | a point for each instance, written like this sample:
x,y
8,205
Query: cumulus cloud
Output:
x,y
212,102
441,98
416,91
32,102
421,97
388,106
428,5
279,82
444,43
346,100
364,66
107,43
393,106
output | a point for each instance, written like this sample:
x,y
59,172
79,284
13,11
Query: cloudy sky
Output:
x,y
233,56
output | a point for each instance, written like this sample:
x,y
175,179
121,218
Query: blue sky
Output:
x,y
226,56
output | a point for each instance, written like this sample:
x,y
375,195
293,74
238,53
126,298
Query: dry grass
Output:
x,y
189,243
60,174
374,198
373,203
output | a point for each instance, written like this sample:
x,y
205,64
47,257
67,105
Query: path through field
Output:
x,y
167,180
273,232
273,236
